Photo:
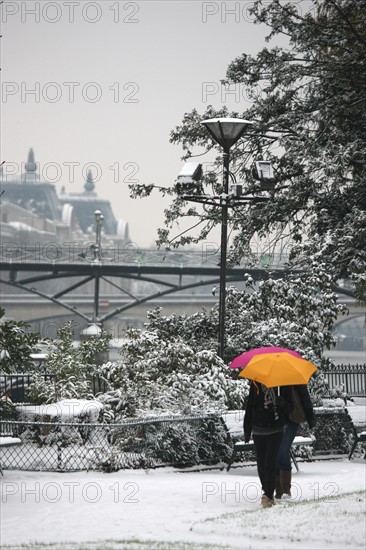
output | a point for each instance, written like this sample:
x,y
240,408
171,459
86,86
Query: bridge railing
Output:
x,y
119,252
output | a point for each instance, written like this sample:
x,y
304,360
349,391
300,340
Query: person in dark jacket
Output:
x,y
301,411
265,416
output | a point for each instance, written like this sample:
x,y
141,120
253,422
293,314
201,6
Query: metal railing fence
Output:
x,y
17,384
351,378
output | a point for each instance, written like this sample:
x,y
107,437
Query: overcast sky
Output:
x,y
101,85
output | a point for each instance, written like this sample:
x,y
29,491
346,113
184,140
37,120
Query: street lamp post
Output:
x,y
223,254
94,329
226,132
99,218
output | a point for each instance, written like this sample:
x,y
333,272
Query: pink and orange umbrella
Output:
x,y
242,360
278,369
274,366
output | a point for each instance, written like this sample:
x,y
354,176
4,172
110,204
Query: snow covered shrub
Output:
x,y
51,435
199,329
331,431
116,403
114,461
181,443
213,442
65,436
40,389
177,445
16,345
72,368
297,311
188,443
173,365
168,376
7,409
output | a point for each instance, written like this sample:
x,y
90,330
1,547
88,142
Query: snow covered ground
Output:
x,y
67,409
167,509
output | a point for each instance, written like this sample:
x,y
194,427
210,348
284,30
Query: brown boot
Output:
x,y
267,502
278,487
285,478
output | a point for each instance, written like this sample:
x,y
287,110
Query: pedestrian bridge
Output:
x,y
83,283
164,279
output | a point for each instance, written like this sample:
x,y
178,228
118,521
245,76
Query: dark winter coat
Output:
x,y
306,403
256,414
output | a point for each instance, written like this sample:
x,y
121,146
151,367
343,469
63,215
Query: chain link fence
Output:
x,y
149,443
72,446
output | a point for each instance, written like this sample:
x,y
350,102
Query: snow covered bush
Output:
x,y
177,445
157,376
72,368
186,444
173,365
47,432
180,443
112,462
16,345
7,409
297,311
213,441
331,431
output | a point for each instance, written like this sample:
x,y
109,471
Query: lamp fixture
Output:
x,y
226,131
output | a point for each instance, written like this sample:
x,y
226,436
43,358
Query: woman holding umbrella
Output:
x,y
273,372
265,418
301,411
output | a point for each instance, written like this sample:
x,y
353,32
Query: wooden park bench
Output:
x,y
357,415
234,424
240,446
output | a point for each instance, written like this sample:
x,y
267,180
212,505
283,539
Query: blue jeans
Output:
x,y
283,457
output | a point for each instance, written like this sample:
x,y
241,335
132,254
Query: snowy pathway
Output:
x,y
211,508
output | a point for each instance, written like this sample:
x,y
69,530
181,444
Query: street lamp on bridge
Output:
x,y
99,219
97,249
226,132
95,328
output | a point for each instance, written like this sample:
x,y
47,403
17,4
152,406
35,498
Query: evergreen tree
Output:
x,y
72,368
297,311
173,366
308,105
159,376
16,345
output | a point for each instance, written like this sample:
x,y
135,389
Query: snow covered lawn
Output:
x,y
166,509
